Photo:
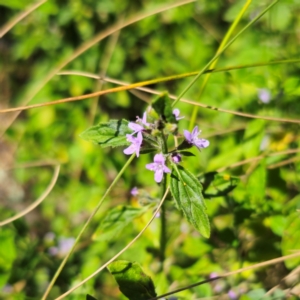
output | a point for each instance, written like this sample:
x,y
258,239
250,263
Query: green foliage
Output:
x,y
132,280
8,254
187,192
163,106
252,219
291,239
89,297
116,220
110,134
217,185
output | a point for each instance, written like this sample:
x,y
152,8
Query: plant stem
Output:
x,y
163,226
62,264
163,220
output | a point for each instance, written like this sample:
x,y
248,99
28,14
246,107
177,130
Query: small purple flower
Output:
x,y
143,120
264,95
176,158
159,167
232,295
136,144
134,191
213,275
176,113
139,127
135,127
63,247
192,138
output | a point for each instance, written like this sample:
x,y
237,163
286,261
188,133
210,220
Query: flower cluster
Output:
x,y
136,142
158,166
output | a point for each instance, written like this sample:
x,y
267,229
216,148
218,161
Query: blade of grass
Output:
x,y
51,284
223,49
37,202
84,47
222,45
120,252
15,20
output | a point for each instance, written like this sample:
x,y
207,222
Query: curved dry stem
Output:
x,y
284,162
291,274
245,115
33,164
37,202
100,36
237,113
139,86
15,20
189,74
118,254
256,266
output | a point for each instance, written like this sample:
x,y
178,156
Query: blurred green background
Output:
x,y
257,221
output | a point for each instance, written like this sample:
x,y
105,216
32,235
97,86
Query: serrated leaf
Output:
x,y
187,192
108,134
132,281
163,106
115,220
217,185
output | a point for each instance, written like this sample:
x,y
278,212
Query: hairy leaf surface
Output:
x,y
187,192
108,134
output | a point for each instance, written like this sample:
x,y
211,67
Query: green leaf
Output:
x,y
112,133
217,185
115,220
163,106
186,153
256,185
291,239
8,254
187,192
132,281
89,297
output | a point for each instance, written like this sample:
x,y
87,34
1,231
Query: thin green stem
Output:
x,y
163,224
224,48
222,45
51,284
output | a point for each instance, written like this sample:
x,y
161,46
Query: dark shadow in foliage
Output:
x,y
89,297
132,281
217,185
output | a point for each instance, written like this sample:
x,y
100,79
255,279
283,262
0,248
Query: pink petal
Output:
x,y
129,150
158,176
159,158
151,167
